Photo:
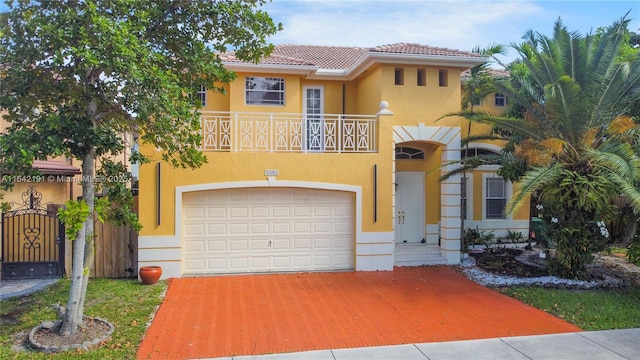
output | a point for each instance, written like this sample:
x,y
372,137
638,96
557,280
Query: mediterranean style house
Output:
x,y
324,158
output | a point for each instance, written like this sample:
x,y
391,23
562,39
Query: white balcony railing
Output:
x,y
279,132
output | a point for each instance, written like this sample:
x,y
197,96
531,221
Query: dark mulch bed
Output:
x,y
527,263
511,262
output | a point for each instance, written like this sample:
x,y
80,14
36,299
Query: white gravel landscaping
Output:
x,y
482,277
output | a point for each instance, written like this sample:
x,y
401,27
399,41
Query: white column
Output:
x,y
450,195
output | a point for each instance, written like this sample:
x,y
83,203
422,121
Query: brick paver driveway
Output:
x,y
260,314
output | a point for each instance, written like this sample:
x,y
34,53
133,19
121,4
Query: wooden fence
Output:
x,y
116,251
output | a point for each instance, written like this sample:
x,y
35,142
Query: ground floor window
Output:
x,y
495,198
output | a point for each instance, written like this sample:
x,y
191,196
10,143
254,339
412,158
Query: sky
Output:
x,y
452,24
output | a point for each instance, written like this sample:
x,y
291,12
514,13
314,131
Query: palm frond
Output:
x,y
618,158
532,181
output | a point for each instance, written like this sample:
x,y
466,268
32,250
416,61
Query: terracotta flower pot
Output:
x,y
150,274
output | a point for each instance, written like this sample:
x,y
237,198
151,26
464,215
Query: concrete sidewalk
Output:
x,y
596,345
15,288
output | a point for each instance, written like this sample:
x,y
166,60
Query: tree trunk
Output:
x,y
83,252
69,325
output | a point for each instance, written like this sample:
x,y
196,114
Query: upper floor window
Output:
x,y
443,78
264,91
475,152
422,77
399,76
501,100
495,197
409,153
202,95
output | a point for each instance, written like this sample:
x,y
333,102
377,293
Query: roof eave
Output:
x,y
270,68
464,62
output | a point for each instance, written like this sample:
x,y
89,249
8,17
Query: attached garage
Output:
x,y
267,230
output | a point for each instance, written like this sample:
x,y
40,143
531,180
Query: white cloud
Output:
x,y
453,24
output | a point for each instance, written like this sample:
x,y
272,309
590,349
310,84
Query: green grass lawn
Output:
x,y
125,303
128,305
587,309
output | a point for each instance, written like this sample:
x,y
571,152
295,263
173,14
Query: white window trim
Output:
x,y
202,95
509,192
469,187
304,112
284,90
495,99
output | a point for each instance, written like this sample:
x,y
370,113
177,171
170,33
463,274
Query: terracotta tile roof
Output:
x,y
54,167
418,49
344,57
273,59
325,57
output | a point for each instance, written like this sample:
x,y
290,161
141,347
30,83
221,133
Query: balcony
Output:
x,y
280,132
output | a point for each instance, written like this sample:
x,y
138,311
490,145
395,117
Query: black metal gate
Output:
x,y
32,240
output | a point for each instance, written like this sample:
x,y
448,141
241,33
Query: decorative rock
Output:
x,y
484,278
85,345
49,324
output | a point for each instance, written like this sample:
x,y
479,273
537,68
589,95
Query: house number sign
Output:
x,y
271,172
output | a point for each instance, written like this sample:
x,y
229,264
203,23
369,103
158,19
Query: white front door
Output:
x,y
410,220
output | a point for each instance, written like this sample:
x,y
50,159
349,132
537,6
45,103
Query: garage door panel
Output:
x,y
216,245
322,211
322,227
260,212
238,244
237,264
342,260
302,244
260,263
281,212
302,261
194,229
238,229
342,243
302,228
194,213
263,230
260,228
260,244
323,261
215,212
343,227
195,246
239,212
217,229
322,243
195,265
281,228
239,196
216,264
281,262
280,243
301,212
343,211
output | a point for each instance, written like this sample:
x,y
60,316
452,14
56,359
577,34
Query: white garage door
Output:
x,y
267,229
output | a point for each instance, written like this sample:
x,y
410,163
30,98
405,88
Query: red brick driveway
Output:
x,y
261,314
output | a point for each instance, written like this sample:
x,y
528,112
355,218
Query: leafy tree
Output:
x,y
78,74
573,93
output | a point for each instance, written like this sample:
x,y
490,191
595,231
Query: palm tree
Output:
x,y
573,92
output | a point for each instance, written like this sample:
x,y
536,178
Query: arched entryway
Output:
x,y
427,210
